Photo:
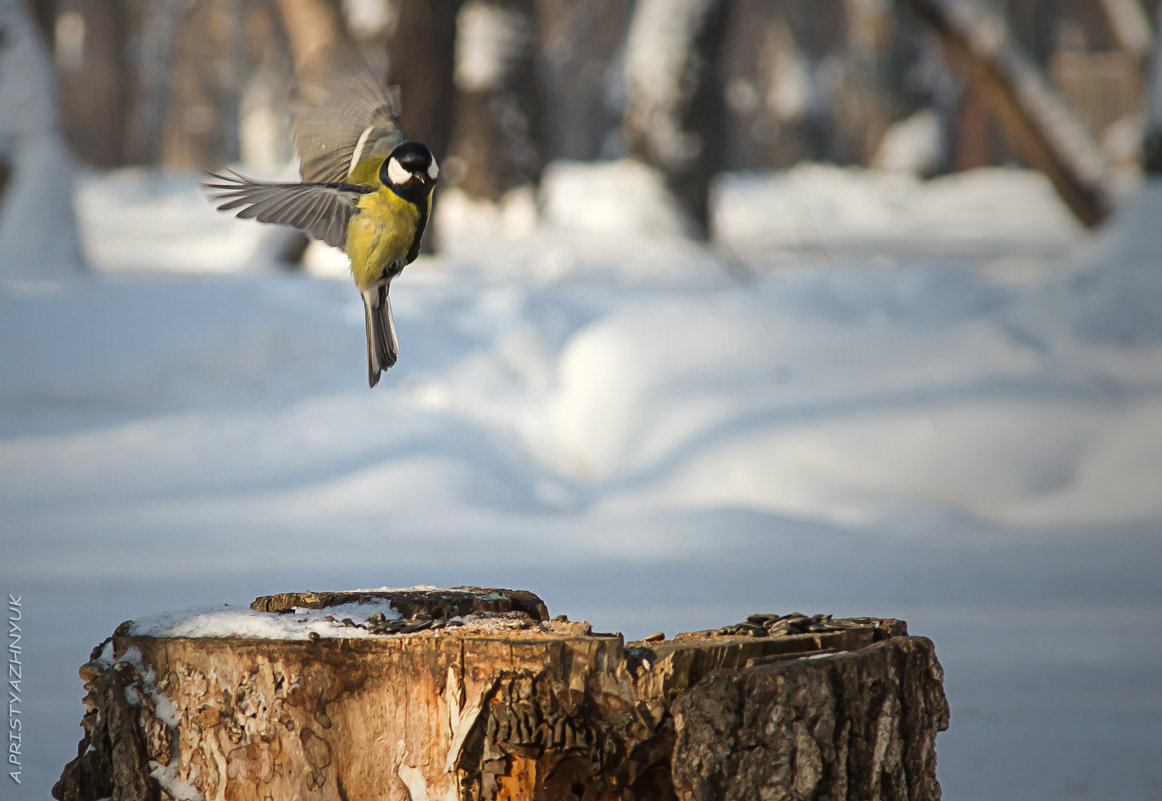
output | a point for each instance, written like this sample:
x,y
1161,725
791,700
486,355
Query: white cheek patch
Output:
x,y
433,170
396,173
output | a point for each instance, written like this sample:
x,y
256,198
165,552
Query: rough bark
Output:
x,y
511,706
113,758
1046,132
855,725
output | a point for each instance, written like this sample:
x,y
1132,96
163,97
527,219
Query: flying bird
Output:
x,y
365,188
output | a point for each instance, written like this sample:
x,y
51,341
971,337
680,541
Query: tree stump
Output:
x,y
475,694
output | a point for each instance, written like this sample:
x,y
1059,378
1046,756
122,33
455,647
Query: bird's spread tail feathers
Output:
x,y
382,344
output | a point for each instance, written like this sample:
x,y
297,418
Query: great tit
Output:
x,y
365,189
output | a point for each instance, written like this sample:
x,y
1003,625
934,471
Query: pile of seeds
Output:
x,y
768,625
379,623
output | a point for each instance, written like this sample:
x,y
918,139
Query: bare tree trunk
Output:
x,y
674,114
421,56
580,45
91,40
974,138
475,695
209,62
1046,131
150,108
1152,142
311,24
497,130
238,59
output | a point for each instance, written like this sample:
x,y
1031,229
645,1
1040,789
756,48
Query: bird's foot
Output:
x,y
393,268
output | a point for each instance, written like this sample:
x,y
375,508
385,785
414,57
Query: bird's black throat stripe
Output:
x,y
414,250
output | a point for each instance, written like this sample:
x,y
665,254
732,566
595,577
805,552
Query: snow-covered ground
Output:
x,y
937,401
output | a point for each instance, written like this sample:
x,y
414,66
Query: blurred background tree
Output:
x,y
499,88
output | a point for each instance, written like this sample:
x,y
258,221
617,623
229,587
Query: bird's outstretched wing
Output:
x,y
323,210
341,116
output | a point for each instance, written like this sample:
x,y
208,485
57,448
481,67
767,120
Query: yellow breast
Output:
x,y
382,231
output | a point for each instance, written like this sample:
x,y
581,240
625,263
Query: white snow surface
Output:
x,y
993,210
299,623
245,623
937,401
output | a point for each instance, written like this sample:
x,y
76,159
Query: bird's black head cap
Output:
x,y
410,170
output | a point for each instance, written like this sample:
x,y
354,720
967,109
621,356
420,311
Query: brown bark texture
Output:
x,y
854,725
485,698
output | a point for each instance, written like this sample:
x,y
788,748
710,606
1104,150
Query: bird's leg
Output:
x,y
393,268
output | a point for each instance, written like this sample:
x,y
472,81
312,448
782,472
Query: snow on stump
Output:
x,y
475,694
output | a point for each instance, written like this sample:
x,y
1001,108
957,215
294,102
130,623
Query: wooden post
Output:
x,y
475,694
